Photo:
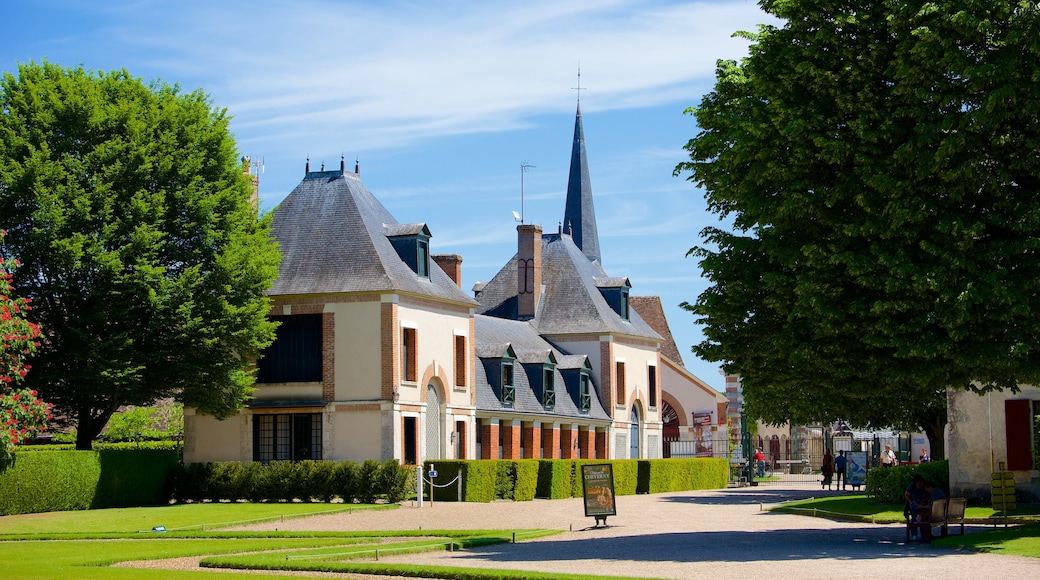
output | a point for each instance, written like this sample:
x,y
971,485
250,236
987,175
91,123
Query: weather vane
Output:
x,y
579,88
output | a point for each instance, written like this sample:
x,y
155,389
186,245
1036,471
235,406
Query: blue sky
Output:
x,y
441,102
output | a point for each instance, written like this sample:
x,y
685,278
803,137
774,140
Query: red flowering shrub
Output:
x,y
22,414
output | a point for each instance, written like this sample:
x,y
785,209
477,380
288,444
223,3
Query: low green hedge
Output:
x,y
43,481
887,484
287,481
526,479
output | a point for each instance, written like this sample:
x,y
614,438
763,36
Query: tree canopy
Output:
x,y
140,246
879,163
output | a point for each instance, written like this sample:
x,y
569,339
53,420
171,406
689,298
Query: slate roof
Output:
x,y
571,302
651,310
332,233
494,334
579,215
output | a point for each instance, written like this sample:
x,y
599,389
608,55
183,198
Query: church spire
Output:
x,y
579,217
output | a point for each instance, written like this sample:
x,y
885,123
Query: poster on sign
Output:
x,y
856,468
598,488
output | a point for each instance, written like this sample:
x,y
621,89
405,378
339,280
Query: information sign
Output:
x,y
856,467
598,488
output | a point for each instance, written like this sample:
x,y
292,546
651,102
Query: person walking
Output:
x,y
827,469
839,469
888,457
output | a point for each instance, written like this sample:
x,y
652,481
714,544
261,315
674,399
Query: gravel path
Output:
x,y
704,534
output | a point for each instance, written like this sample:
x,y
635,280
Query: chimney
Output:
x,y
529,270
452,266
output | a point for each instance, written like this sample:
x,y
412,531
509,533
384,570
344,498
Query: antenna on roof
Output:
x,y
524,166
579,88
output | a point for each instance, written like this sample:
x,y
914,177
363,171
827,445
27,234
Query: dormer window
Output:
x,y
499,367
584,392
576,371
508,388
540,366
615,292
548,388
412,244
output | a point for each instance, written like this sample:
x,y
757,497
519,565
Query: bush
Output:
x,y
135,477
554,478
888,484
44,481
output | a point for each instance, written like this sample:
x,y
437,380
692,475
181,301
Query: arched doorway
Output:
x,y
433,422
669,427
633,436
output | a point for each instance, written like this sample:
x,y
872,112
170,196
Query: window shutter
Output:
x,y
1019,440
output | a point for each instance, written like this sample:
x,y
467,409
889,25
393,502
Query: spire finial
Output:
x,y
579,88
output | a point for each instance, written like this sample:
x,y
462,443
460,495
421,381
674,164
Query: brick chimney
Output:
x,y
452,266
529,270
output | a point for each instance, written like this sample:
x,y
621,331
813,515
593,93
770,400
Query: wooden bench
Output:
x,y
923,519
954,514
941,514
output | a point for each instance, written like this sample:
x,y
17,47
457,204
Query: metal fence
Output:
x,y
797,458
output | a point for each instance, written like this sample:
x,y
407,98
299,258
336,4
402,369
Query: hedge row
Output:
x,y
44,481
287,481
526,479
887,484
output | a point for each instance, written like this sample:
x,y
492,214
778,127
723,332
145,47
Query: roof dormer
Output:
x,y
540,366
615,292
412,243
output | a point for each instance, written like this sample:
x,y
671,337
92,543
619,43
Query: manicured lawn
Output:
x,y
860,507
84,544
211,515
1022,540
1014,541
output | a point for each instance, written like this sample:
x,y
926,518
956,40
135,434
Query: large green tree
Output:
x,y
140,247
879,164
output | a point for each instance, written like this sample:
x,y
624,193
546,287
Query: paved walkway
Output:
x,y
705,534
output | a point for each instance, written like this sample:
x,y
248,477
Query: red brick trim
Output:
x,y
328,356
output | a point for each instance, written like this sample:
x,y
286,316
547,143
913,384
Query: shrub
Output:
x,y
67,480
887,484
368,481
526,484
135,477
393,480
554,478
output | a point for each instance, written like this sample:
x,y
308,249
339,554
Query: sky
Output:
x,y
440,102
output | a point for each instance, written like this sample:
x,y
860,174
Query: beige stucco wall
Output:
x,y
358,370
976,442
356,432
693,394
436,331
637,359
209,439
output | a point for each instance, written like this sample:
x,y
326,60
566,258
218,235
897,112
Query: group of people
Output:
x,y
834,466
919,498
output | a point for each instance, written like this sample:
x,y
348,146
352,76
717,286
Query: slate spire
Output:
x,y
579,216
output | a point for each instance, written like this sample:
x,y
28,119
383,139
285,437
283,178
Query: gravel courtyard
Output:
x,y
703,534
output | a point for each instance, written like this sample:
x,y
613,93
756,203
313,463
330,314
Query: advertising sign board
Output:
x,y
597,484
856,468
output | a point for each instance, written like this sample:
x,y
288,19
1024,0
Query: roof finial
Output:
x,y
579,87
307,168
342,163
357,166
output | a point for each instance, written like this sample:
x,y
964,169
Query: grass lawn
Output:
x,y
861,508
1022,540
180,516
40,546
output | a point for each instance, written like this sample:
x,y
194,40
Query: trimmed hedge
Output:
x,y
44,481
526,479
888,484
315,481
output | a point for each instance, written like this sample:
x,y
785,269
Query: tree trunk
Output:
x,y
89,425
933,424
